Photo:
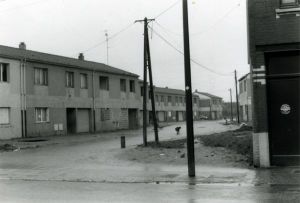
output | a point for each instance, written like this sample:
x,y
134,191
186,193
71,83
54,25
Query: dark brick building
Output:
x,y
274,55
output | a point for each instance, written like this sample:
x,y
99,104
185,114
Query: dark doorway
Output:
x,y
133,118
283,86
71,120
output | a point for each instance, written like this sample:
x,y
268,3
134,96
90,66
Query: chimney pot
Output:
x,y
22,45
81,56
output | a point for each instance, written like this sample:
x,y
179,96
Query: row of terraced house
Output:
x,y
43,94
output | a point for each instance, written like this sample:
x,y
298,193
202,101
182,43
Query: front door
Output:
x,y
283,86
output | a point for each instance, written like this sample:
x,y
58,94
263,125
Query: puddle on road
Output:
x,y
33,140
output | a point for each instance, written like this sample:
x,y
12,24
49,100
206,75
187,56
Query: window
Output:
x,y
176,99
169,99
245,85
3,72
132,85
69,79
142,91
195,100
123,85
162,98
83,81
156,98
289,3
105,114
241,86
4,115
41,115
180,100
41,76
104,83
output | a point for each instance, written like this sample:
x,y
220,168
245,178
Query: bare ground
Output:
x,y
228,149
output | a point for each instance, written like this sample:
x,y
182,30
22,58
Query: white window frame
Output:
x,y
41,76
123,85
69,79
83,81
44,115
101,83
289,5
8,116
132,86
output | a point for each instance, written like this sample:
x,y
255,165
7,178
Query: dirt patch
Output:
x,y
239,141
7,148
222,149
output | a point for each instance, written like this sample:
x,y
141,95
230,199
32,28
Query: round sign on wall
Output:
x,y
285,109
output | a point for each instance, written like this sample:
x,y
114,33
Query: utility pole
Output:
x,y
106,36
188,92
237,98
231,116
151,89
147,64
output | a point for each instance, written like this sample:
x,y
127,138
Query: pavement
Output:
x,y
84,168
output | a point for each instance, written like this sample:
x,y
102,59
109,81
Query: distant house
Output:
x,y
210,105
245,88
44,94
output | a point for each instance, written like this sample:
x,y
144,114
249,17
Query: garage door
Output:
x,y
180,116
83,121
161,116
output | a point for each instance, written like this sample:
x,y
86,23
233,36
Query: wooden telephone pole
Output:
x,y
188,92
147,64
237,98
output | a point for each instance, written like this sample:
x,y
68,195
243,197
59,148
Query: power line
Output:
x,y
168,30
204,31
109,38
193,60
125,28
218,21
164,11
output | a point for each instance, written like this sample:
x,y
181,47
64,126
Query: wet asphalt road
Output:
x,y
53,191
87,171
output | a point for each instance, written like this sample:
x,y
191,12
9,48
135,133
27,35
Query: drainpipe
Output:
x,y
94,111
21,96
25,99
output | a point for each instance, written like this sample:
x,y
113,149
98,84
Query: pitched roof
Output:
x,y
209,95
39,57
167,90
241,78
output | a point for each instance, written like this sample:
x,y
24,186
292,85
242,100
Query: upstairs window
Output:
x,y
176,99
169,99
69,79
195,100
132,85
289,3
123,85
3,72
104,83
83,81
41,76
162,98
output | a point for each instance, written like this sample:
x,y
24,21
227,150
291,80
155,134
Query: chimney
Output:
x,y
22,45
81,56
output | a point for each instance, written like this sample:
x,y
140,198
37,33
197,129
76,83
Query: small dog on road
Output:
x,y
177,129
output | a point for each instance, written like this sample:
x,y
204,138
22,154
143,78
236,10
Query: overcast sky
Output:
x,y
218,36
